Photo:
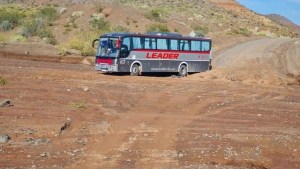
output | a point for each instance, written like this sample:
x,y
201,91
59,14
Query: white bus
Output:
x,y
153,52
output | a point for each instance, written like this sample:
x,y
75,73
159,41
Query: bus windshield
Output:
x,y
108,47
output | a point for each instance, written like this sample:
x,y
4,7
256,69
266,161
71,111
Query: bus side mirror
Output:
x,y
94,41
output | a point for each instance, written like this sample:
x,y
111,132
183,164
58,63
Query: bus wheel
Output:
x,y
183,71
135,70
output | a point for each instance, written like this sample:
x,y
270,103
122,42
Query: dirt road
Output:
x,y
69,116
271,61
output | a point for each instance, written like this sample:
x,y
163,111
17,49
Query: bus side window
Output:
x,y
195,45
184,45
137,43
162,44
205,46
174,44
125,47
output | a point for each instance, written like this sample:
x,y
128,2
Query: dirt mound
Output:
x,y
266,61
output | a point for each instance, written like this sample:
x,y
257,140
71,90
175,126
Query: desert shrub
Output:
x,y
17,38
241,31
2,81
99,6
30,27
6,26
70,25
49,13
37,27
157,28
200,31
82,42
11,14
99,24
2,38
78,105
63,49
120,28
155,14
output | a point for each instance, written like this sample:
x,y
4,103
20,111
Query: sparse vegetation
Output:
x,y
155,14
2,81
82,43
120,28
200,31
99,24
240,31
10,15
78,105
38,25
6,26
157,28
48,13
70,25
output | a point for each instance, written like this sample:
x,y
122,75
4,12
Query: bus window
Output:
x,y
174,44
150,43
126,43
205,46
125,47
195,45
162,44
137,43
184,45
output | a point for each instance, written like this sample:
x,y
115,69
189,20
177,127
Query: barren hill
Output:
x,y
81,21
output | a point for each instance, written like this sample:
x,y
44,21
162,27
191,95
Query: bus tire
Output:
x,y
183,71
135,70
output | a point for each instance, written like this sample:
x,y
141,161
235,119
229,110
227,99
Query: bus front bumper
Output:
x,y
106,68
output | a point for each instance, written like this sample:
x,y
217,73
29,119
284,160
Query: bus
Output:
x,y
136,53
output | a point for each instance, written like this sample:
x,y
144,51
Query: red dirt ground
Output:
x,y
200,121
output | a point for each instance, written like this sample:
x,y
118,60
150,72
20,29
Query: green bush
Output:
x,y
82,42
155,14
49,13
241,31
6,26
2,81
157,28
200,31
31,27
100,24
37,27
17,38
11,14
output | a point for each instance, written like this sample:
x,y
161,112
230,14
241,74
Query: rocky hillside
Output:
x,y
285,22
77,22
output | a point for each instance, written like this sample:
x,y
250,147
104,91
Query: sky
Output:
x,y
288,8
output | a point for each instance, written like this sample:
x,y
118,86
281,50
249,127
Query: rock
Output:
x,y
26,52
68,90
43,155
86,89
62,10
98,16
37,142
65,126
77,14
5,103
4,138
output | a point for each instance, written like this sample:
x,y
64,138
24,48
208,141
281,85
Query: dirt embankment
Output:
x,y
70,116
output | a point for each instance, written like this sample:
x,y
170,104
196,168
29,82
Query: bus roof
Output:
x,y
152,34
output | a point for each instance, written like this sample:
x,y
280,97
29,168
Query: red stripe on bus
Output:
x,y
108,61
172,51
